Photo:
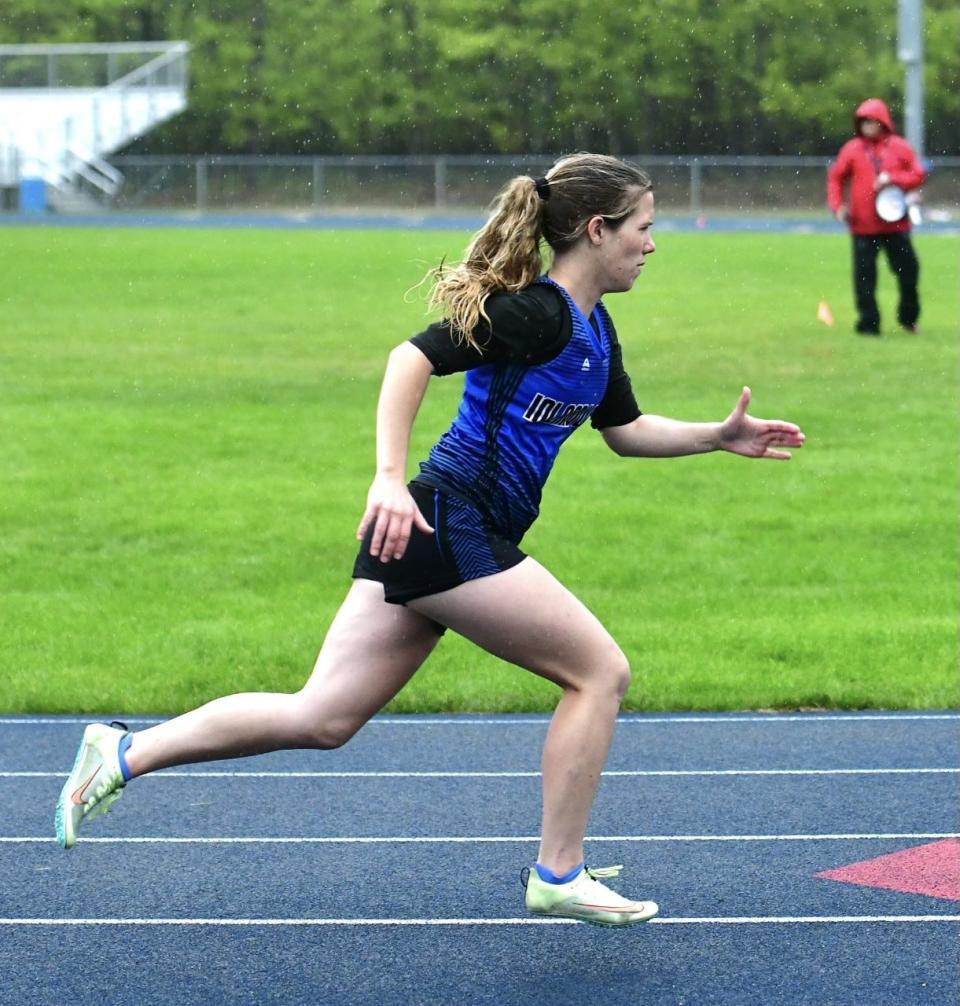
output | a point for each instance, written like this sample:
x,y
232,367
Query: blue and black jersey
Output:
x,y
542,370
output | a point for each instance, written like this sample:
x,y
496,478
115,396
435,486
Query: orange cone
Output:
x,y
824,314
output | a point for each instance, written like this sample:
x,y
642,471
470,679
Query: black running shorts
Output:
x,y
463,547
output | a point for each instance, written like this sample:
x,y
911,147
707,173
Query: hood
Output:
x,y
873,108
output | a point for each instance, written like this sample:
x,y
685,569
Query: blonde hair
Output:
x,y
506,253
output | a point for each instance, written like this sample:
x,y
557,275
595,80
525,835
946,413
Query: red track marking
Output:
x,y
932,869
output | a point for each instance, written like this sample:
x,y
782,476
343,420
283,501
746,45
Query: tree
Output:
x,y
544,76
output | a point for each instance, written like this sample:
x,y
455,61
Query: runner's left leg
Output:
x,y
525,615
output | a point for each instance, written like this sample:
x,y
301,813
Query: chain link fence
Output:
x,y
454,184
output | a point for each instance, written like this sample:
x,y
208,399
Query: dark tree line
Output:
x,y
478,76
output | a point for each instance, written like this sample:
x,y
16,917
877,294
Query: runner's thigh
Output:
x,y
370,652
525,615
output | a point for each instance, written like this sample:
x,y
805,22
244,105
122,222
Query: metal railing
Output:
x,y
99,174
84,64
684,184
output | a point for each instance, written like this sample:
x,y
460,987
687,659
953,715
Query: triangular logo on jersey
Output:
x,y
586,364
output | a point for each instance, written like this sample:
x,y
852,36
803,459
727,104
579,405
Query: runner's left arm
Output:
x,y
650,436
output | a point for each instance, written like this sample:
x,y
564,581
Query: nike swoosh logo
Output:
x,y
77,797
610,908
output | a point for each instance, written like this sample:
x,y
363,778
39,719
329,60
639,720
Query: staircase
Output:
x,y
65,108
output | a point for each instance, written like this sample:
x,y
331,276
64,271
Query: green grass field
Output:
x,y
187,421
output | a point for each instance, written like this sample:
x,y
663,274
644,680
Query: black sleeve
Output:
x,y
530,327
618,406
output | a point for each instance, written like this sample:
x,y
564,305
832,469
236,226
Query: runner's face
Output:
x,y
624,249
870,128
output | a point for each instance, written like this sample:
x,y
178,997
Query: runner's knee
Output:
x,y
619,674
609,676
316,728
334,733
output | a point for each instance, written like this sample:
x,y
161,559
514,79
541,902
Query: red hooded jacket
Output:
x,y
860,161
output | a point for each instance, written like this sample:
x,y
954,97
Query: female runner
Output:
x,y
541,356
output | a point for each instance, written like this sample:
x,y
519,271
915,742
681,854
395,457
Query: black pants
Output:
x,y
905,266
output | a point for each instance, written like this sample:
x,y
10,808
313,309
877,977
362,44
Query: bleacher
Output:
x,y
65,108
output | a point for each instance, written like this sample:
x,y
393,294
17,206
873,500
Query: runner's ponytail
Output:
x,y
505,255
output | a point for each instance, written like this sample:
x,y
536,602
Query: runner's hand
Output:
x,y
757,438
393,513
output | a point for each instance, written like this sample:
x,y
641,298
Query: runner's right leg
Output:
x,y
370,652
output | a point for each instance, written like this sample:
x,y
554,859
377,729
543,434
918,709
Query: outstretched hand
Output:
x,y
757,438
393,513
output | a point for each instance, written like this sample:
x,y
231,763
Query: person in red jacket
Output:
x,y
873,160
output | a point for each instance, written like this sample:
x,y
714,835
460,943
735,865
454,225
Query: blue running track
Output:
x,y
733,223
388,872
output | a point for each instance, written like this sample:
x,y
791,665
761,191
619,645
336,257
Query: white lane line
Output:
x,y
632,774
462,839
639,720
692,921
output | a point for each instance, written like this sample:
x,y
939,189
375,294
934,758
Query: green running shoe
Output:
x,y
95,782
586,899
